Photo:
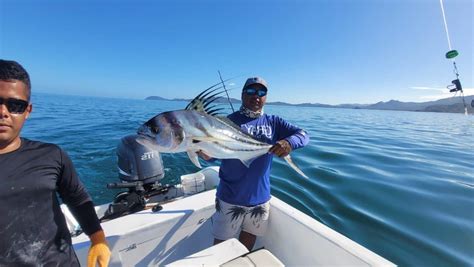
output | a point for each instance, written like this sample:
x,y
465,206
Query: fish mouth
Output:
x,y
146,137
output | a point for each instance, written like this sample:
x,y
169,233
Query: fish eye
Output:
x,y
155,130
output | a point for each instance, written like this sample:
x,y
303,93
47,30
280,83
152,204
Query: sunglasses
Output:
x,y
253,91
14,106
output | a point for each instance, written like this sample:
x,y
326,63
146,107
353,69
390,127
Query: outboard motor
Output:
x,y
139,163
140,170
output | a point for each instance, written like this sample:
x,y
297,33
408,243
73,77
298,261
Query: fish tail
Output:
x,y
293,165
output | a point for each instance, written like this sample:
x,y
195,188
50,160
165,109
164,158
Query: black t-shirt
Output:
x,y
33,230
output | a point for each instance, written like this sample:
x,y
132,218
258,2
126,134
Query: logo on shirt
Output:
x,y
259,131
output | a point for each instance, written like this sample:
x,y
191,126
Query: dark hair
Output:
x,y
12,70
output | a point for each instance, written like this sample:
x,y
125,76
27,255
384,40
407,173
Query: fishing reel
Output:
x,y
455,86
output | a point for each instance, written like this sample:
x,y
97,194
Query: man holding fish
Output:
x,y
243,194
245,141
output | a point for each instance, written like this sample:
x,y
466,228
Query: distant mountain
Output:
x,y
301,105
452,104
397,105
155,98
355,106
315,105
279,103
179,99
224,100
454,108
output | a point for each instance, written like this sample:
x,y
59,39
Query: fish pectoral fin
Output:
x,y
293,165
194,158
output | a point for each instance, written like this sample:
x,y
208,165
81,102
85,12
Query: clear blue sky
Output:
x,y
330,51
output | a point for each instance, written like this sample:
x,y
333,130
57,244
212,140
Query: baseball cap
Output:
x,y
256,80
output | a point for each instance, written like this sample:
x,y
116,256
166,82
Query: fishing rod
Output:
x,y
225,89
455,85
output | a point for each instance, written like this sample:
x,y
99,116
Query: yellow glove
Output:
x,y
99,251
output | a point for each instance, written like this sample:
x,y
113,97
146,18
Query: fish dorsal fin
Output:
x,y
204,101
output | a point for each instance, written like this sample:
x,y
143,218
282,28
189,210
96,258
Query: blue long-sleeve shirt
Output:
x,y
244,186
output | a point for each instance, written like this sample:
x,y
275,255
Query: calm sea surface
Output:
x,y
399,183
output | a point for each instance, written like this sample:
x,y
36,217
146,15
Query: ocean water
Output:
x,y
399,183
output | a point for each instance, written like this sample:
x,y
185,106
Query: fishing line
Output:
x,y
225,89
445,25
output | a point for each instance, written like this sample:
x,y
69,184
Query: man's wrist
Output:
x,y
98,237
287,140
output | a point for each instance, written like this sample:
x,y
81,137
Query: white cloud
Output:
x,y
466,91
428,88
435,97
444,93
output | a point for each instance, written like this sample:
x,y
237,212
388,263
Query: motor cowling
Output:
x,y
138,162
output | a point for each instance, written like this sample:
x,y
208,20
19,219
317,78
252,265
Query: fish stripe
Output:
x,y
233,149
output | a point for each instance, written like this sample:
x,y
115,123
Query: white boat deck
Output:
x,y
215,255
147,238
183,228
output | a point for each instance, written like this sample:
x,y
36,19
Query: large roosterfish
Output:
x,y
199,128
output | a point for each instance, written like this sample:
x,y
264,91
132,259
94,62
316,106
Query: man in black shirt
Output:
x,y
33,230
